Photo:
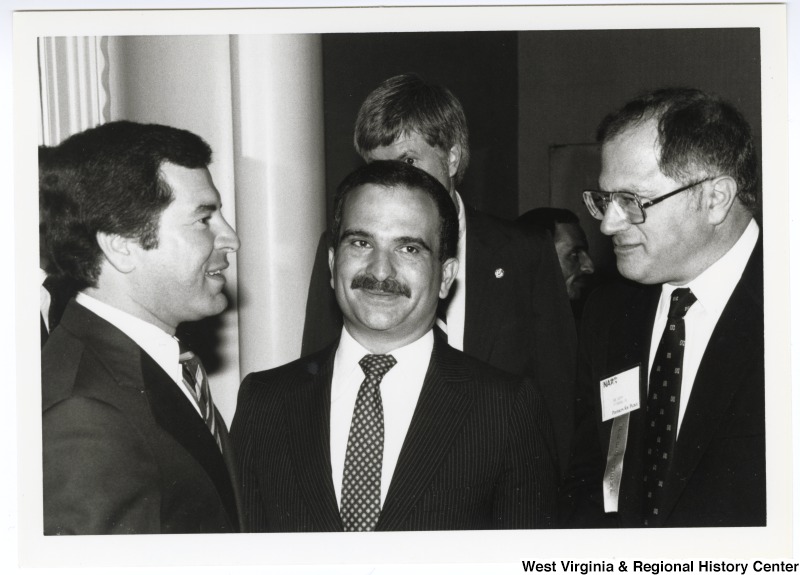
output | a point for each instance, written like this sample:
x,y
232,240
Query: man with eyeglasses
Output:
x,y
670,409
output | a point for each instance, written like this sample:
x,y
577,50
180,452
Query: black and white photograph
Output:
x,y
484,284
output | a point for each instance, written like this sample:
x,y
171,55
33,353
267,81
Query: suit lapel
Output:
x,y
175,414
233,470
475,310
633,331
169,407
308,412
720,374
481,298
437,419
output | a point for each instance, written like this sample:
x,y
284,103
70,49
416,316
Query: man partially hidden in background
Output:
x,y
132,442
571,245
54,291
390,428
670,409
507,305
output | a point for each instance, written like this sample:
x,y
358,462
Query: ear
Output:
x,y
720,198
118,251
449,271
331,260
453,159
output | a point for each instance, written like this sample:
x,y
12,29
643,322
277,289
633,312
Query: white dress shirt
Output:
x,y
155,342
713,289
456,309
44,300
400,389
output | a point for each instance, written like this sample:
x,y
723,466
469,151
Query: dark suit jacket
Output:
x,y
124,451
520,322
60,293
718,477
477,454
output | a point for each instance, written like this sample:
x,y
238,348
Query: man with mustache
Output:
x,y
507,306
390,428
131,440
670,408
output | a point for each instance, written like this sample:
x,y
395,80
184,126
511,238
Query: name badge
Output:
x,y
619,394
612,478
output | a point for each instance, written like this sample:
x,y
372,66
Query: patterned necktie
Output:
x,y
196,381
363,463
663,402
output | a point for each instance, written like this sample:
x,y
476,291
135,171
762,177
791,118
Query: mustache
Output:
x,y
389,285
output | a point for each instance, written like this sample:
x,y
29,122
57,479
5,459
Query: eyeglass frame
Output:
x,y
642,205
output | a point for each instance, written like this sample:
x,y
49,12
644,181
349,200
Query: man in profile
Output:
x,y
132,442
670,411
389,428
571,245
507,305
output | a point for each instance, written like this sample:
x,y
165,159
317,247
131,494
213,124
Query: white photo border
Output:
x,y
504,547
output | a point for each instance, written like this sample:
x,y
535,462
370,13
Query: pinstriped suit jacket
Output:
x,y
478,453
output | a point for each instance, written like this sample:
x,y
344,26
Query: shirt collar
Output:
x,y
155,342
350,352
713,287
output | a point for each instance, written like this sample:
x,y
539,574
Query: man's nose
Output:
x,y
614,221
227,239
380,264
586,263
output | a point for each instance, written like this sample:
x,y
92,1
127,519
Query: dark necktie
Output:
x,y
196,381
363,462
58,301
663,401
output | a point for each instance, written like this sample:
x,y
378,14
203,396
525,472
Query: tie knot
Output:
x,y
187,356
377,365
679,302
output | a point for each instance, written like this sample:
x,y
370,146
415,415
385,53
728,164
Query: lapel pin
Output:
x,y
499,272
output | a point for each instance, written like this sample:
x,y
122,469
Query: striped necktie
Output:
x,y
196,381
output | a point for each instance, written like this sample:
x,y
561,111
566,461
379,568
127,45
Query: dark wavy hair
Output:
x,y
107,179
394,174
547,218
406,103
697,132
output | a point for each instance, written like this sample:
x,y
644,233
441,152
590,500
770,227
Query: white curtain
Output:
x,y
257,100
73,81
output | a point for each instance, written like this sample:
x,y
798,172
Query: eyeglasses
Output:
x,y
629,204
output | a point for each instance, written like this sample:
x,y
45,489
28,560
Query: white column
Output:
x,y
280,189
